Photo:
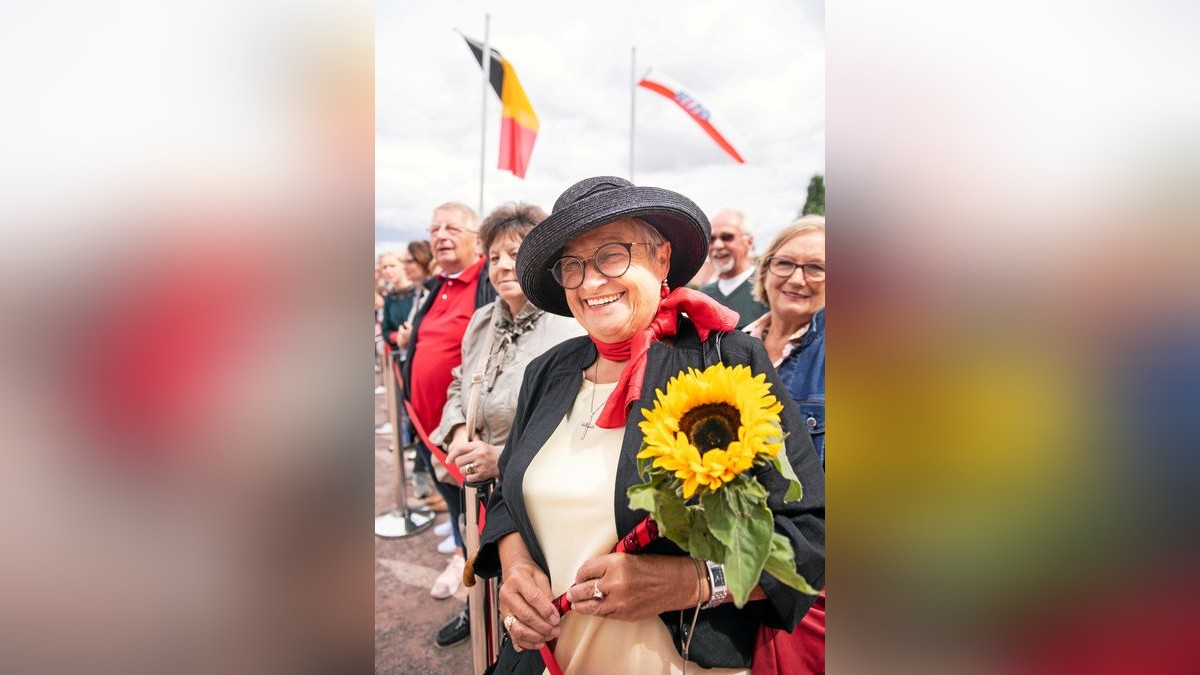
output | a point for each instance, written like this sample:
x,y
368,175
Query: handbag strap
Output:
x,y
477,382
715,339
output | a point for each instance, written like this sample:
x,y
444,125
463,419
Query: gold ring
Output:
x,y
509,621
470,467
597,594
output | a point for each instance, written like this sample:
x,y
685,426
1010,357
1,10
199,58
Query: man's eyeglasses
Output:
x,y
612,260
785,268
450,229
726,236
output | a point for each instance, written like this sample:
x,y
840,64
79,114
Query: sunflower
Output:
x,y
710,426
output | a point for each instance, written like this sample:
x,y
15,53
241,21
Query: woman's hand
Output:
x,y
525,594
483,459
635,587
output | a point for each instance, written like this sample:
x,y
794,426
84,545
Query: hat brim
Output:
x,y
676,217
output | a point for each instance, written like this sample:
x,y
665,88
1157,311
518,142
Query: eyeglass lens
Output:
x,y
785,268
612,260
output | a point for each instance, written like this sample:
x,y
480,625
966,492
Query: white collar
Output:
x,y
728,286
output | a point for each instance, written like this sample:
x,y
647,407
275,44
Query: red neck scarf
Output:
x,y
704,312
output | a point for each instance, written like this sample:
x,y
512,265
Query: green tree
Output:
x,y
816,196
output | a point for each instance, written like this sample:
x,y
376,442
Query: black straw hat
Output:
x,y
593,202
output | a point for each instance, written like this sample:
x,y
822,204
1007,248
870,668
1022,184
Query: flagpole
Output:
x,y
486,62
632,104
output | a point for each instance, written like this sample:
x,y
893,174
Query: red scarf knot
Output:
x,y
705,313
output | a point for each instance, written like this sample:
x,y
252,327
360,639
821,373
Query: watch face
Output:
x,y
718,573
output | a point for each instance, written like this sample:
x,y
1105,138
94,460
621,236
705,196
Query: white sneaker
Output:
x,y
447,546
450,579
442,529
385,428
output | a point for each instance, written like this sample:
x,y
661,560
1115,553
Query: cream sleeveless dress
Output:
x,y
568,490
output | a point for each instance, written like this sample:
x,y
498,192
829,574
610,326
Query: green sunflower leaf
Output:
x,y
781,564
743,523
750,487
701,542
795,491
642,497
674,518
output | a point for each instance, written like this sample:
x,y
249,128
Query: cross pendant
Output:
x,y
586,425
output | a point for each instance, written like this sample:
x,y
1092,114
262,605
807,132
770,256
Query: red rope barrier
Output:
x,y
434,449
638,538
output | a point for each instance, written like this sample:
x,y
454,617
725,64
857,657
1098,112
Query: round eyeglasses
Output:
x,y
783,267
612,260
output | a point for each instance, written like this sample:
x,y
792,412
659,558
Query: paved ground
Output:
x,y
406,616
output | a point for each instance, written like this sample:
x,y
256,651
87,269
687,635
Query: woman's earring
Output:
x,y
665,291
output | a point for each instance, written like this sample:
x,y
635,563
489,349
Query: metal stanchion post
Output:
x,y
400,521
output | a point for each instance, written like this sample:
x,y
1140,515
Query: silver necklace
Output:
x,y
587,423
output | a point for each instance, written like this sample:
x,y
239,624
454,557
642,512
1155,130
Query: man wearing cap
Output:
x,y
729,254
435,349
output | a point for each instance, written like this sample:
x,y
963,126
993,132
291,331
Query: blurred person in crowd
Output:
x,y
435,349
378,328
615,257
500,341
420,269
381,284
389,278
397,299
729,254
379,292
399,304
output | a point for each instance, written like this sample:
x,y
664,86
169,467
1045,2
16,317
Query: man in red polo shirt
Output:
x,y
435,349
438,328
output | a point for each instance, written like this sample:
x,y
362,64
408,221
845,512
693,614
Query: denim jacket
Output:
x,y
803,373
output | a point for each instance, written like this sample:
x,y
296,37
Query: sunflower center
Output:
x,y
712,425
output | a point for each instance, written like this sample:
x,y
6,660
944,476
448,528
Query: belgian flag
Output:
x,y
518,123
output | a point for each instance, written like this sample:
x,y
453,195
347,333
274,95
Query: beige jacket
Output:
x,y
516,342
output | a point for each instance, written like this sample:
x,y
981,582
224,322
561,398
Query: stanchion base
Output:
x,y
393,524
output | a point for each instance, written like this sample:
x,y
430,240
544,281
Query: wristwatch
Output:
x,y
716,581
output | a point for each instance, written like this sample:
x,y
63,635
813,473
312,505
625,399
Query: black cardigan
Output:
x,y
724,635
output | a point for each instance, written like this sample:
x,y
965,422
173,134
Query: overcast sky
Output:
x,y
760,67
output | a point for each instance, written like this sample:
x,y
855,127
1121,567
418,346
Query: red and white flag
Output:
x,y
661,84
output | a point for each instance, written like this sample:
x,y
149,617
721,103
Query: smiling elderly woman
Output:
x,y
791,280
610,255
